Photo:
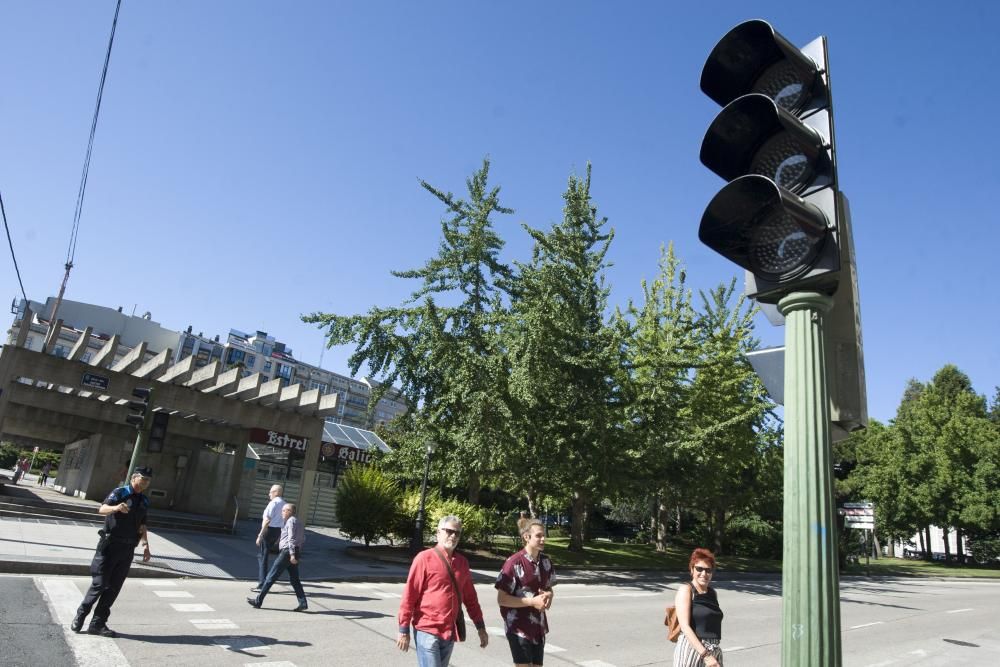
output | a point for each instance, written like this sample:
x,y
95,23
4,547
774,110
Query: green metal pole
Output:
x,y
810,627
141,438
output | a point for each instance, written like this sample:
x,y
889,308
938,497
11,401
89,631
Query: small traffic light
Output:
x,y
158,431
140,409
779,216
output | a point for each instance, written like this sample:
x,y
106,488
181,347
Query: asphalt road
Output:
x,y
193,622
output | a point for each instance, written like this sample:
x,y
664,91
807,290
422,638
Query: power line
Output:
x,y
71,251
3,212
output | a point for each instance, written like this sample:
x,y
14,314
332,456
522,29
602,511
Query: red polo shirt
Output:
x,y
429,601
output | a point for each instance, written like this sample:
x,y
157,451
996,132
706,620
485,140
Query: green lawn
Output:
x,y
899,567
600,554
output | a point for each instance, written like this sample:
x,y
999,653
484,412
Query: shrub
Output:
x,y
404,521
367,504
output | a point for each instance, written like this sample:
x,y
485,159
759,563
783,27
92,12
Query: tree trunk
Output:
x,y
579,521
475,486
930,552
532,505
662,521
718,528
678,520
920,540
877,546
947,547
959,551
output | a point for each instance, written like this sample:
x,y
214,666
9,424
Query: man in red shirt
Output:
x,y
431,603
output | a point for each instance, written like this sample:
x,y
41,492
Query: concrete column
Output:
x,y
309,466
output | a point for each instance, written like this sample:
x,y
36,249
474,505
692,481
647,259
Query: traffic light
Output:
x,y
140,408
780,215
158,431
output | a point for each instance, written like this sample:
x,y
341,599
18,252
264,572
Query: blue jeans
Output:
x,y
282,562
432,651
270,537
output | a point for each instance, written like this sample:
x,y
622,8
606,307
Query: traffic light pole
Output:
x,y
140,445
810,627
141,437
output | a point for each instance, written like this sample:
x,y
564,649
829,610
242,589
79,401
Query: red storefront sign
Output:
x,y
260,436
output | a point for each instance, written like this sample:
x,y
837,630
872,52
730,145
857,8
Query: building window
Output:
x,y
284,372
267,366
322,386
87,356
60,351
249,360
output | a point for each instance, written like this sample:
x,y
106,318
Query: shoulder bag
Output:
x,y
460,619
672,622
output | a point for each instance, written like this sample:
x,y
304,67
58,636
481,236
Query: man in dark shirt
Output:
x,y
124,527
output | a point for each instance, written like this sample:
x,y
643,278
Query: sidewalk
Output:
x,y
64,546
61,546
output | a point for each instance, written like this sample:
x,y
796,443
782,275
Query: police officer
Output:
x,y
124,527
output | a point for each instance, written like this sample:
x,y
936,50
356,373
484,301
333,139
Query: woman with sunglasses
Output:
x,y
699,615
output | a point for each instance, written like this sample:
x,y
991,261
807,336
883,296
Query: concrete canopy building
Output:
x,y
65,385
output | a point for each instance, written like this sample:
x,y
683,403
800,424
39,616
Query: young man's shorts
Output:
x,y
526,652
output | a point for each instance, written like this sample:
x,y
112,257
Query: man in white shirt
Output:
x,y
270,533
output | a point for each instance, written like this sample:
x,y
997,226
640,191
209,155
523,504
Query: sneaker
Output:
x,y
253,603
301,607
102,630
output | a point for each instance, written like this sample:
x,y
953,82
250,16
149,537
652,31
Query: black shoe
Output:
x,y
77,623
255,589
301,607
253,603
101,630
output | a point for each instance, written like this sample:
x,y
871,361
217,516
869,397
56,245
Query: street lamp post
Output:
x,y
417,541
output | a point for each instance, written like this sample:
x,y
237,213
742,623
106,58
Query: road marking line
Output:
x,y
552,648
213,624
158,582
63,598
595,663
238,643
496,632
865,625
733,648
959,611
173,594
385,595
283,663
921,653
884,663
196,608
642,594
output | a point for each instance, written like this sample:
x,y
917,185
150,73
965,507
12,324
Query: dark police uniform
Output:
x,y
113,557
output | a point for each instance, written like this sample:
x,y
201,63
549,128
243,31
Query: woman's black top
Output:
x,y
706,615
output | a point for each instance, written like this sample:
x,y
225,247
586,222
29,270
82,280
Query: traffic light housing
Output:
x,y
140,408
158,431
779,215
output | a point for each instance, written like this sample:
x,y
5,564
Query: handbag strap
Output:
x,y
454,583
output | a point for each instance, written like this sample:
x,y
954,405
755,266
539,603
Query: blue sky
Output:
x,y
259,160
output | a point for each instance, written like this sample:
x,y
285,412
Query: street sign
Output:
x,y
859,515
95,381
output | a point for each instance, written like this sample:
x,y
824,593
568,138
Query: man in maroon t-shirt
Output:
x,y
524,591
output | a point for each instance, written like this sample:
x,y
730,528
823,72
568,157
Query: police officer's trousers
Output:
x,y
109,569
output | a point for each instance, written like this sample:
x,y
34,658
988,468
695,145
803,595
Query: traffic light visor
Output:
x,y
754,58
754,135
763,228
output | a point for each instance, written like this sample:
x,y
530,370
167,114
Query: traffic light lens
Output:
x,y
783,83
782,159
779,245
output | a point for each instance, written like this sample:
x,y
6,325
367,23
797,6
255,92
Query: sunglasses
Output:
x,y
451,531
699,568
